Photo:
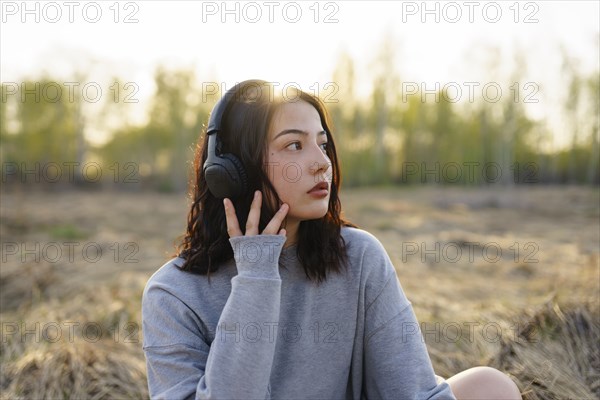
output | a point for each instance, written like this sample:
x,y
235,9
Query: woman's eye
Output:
x,y
291,144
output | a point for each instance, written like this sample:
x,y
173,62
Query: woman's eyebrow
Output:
x,y
296,131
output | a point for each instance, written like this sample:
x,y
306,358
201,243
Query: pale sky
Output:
x,y
191,34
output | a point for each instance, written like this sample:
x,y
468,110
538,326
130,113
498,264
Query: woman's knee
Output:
x,y
483,383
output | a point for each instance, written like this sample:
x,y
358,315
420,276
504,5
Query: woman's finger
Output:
x,y
273,227
233,227
254,215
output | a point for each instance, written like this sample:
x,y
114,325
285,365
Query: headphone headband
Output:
x,y
216,116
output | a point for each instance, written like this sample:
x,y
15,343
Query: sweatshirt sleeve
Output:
x,y
396,362
237,364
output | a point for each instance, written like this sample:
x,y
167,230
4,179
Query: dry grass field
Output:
x,y
502,277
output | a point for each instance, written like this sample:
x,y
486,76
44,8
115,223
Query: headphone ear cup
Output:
x,y
240,176
226,177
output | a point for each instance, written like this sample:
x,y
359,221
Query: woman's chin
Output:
x,y
313,214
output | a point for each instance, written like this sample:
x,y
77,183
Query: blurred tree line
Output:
x,y
399,135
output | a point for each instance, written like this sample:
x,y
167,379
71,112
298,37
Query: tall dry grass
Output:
x,y
78,370
548,311
84,345
551,353
556,355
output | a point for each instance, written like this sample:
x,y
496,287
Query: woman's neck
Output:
x,y
291,232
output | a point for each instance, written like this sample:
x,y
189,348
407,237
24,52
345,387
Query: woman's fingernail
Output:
x,y
225,203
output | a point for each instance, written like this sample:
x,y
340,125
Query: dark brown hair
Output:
x,y
205,245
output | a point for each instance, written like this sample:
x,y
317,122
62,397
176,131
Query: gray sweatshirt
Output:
x,y
264,331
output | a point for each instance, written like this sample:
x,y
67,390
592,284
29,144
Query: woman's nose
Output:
x,y
321,162
317,167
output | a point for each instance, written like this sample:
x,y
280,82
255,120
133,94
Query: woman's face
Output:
x,y
296,160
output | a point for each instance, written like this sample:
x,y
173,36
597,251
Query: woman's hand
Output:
x,y
233,226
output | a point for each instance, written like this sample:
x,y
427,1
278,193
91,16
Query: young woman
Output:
x,y
274,294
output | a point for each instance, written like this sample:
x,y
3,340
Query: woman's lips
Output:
x,y
320,190
321,186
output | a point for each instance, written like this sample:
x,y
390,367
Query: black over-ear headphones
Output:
x,y
224,173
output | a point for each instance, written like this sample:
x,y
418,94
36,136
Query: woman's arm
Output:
x,y
180,362
396,362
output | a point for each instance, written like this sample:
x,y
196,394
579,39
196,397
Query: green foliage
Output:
x,y
388,138
67,231
159,148
47,123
